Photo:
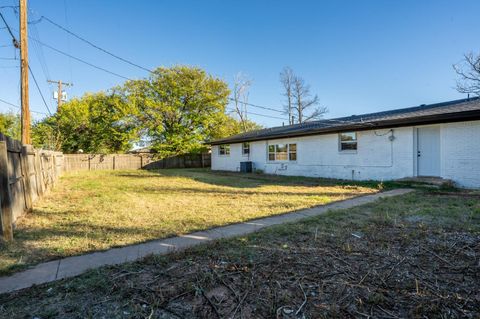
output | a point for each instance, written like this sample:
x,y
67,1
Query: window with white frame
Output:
x,y
282,152
246,148
292,152
348,141
224,149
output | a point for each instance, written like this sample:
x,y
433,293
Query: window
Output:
x,y
292,152
224,149
271,152
348,141
282,152
246,148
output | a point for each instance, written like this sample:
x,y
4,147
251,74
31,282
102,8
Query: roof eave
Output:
x,y
420,120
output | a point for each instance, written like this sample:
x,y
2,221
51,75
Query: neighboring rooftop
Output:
x,y
452,111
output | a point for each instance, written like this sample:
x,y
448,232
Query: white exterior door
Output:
x,y
428,151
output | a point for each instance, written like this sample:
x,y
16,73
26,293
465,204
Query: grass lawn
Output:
x,y
414,256
89,211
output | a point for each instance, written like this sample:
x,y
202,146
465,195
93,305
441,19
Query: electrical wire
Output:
x,y
264,115
78,59
68,40
124,60
38,50
130,62
15,42
18,107
39,91
92,44
258,106
29,68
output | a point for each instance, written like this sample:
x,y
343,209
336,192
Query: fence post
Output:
x,y
27,187
113,162
52,168
6,215
38,173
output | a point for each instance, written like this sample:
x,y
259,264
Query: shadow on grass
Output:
x,y
252,180
226,192
27,254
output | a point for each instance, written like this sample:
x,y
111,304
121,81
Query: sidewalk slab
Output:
x,y
45,272
74,266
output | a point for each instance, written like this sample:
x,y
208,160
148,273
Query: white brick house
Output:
x,y
441,140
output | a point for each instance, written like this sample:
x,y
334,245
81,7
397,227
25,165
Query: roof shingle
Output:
x,y
451,111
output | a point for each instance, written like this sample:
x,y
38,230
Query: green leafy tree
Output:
x,y
94,123
231,126
179,108
10,125
175,111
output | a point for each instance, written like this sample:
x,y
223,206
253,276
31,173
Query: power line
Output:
x,y
264,115
38,49
15,42
29,68
124,60
92,44
39,91
68,39
126,78
258,106
18,107
79,60
130,62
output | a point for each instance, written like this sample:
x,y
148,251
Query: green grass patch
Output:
x,y
98,210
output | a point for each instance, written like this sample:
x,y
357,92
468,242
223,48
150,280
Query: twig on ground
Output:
x,y
434,254
304,300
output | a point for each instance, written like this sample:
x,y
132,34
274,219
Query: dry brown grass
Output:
x,y
91,211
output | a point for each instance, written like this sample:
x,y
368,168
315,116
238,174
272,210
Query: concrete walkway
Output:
x,y
73,266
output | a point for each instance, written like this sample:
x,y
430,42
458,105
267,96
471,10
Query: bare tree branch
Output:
x,y
306,107
469,72
286,78
240,97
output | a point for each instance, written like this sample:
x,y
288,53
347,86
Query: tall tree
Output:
x,y
300,102
179,108
10,125
469,73
287,78
241,88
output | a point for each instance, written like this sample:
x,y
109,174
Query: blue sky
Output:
x,y
358,56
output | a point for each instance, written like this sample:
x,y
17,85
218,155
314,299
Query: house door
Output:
x,y
428,151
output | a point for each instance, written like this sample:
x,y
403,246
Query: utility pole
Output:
x,y
25,117
59,92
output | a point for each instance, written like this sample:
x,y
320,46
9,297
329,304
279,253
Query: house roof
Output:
x,y
451,111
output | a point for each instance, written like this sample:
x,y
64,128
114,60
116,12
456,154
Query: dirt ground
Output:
x,y
417,256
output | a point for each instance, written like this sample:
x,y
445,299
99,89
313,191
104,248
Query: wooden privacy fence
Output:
x,y
25,175
82,162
